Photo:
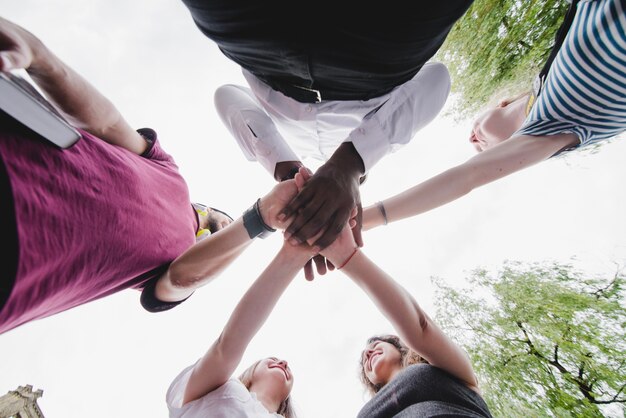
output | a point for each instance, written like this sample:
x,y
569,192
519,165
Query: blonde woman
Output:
x,y
209,387
582,101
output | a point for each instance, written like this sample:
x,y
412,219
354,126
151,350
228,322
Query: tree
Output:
x,y
545,339
497,48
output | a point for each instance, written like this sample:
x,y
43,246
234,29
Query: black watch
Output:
x,y
254,224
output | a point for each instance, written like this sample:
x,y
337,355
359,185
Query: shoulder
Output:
x,y
232,389
154,150
176,390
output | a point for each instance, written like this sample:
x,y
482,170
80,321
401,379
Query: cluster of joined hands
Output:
x,y
303,224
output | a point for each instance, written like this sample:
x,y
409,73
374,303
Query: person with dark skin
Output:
x,y
358,54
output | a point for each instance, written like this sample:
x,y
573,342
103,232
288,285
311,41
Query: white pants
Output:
x,y
271,127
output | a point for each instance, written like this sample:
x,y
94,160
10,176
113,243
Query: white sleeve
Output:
x,y
176,391
410,107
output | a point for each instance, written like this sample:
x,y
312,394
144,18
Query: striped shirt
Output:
x,y
585,90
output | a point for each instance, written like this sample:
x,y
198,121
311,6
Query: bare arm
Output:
x,y
492,164
82,104
207,259
223,357
411,323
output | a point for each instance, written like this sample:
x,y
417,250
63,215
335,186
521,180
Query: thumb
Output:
x,y
299,181
13,60
358,238
6,63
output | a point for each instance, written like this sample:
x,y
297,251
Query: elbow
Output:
x,y
181,278
423,321
469,177
420,330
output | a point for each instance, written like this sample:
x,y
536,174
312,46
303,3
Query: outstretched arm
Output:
x,y
83,105
223,357
208,258
411,323
492,164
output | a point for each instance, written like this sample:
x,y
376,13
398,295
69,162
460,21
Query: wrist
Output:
x,y
265,210
339,257
346,159
348,259
255,224
299,254
286,170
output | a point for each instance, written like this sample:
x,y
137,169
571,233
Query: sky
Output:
x,y
111,358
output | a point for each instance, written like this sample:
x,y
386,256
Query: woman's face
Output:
x,y
381,361
275,373
498,124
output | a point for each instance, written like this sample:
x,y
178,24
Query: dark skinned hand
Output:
x,y
325,203
322,264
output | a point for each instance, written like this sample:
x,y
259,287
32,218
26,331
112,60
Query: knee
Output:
x,y
439,76
223,96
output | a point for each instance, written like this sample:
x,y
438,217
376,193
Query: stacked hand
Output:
x,y
327,200
282,193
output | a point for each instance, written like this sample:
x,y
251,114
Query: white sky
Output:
x,y
112,358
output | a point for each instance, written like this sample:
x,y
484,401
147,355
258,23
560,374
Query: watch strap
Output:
x,y
254,224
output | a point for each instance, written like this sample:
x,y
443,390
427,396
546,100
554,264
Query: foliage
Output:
x,y
545,340
497,48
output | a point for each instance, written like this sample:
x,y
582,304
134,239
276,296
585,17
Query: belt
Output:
x,y
309,95
300,94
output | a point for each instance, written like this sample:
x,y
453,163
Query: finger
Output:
x,y
356,230
300,181
306,173
309,221
14,59
335,226
6,63
320,264
330,265
308,270
301,199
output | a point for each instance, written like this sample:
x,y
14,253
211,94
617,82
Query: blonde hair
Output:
x,y
285,408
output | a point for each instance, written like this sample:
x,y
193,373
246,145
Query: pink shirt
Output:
x,y
92,220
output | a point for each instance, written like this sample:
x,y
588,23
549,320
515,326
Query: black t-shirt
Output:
x,y
422,390
346,54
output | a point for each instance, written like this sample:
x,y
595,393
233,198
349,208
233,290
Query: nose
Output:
x,y
472,137
283,363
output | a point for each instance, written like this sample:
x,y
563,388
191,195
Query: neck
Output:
x,y
267,398
394,373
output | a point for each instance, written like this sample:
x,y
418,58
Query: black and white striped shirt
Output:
x,y
585,90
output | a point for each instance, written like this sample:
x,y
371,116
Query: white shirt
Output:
x,y
376,127
231,400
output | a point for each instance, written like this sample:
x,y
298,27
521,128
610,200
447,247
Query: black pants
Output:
x,y
422,390
8,237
